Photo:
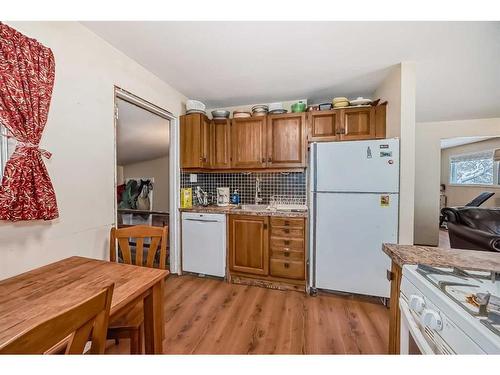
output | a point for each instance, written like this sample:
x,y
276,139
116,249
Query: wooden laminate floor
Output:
x,y
207,316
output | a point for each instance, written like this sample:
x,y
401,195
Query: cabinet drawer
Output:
x,y
287,254
290,243
291,232
287,222
287,269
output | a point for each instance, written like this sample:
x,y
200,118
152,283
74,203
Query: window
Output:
x,y
480,168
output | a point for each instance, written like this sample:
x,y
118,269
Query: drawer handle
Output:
x,y
286,223
287,254
287,242
286,249
286,265
287,230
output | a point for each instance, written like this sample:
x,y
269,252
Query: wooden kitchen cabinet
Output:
x,y
347,124
323,125
248,143
248,244
220,144
267,258
357,123
286,141
195,141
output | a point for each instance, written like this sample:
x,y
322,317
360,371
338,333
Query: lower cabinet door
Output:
x,y
249,244
287,268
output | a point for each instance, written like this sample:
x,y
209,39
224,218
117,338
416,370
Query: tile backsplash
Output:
x,y
291,184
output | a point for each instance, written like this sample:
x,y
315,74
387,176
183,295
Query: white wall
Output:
x,y
80,135
159,170
459,195
398,89
428,165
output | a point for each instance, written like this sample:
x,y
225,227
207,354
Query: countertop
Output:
x,y
438,257
238,211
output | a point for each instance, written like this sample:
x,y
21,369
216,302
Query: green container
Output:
x,y
299,107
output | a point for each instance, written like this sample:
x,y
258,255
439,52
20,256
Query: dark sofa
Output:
x,y
473,228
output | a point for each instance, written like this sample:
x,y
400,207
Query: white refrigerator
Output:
x,y
354,208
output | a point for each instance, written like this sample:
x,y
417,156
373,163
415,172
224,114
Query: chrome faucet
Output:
x,y
257,190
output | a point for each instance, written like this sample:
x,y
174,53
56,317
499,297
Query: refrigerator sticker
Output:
x,y
384,146
384,201
368,152
385,154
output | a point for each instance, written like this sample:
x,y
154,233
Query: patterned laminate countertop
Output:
x,y
438,257
233,210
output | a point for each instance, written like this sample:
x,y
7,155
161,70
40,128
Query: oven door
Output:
x,y
412,341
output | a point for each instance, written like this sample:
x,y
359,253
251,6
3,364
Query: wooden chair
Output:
x,y
74,327
131,324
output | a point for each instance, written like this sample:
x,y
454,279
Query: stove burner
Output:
x,y
476,304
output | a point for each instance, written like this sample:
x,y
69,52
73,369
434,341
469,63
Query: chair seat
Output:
x,y
132,319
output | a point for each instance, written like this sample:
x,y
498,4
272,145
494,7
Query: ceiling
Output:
x,y
232,63
140,134
459,141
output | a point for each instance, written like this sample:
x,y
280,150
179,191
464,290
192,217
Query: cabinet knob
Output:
x,y
286,223
269,160
263,160
287,242
286,265
287,254
287,230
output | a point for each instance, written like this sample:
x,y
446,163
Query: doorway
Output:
x,y
145,167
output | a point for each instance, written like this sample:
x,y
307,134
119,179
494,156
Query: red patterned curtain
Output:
x,y
27,71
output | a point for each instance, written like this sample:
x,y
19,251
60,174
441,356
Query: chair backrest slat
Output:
x,y
123,244
158,240
139,250
90,317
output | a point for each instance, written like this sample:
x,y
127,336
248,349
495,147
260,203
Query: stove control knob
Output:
x,y
432,320
417,303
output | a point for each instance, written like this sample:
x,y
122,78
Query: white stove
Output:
x,y
449,311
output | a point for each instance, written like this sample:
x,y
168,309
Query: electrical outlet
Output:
x,y
193,177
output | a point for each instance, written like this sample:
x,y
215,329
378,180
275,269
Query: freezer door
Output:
x,y
359,166
350,230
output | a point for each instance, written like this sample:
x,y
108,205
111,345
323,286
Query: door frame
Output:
x,y
174,171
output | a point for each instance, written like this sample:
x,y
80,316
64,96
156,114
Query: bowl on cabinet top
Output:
x,y
219,113
275,106
339,99
360,101
260,108
241,114
195,105
325,106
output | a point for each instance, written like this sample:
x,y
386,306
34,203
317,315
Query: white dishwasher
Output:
x,y
204,243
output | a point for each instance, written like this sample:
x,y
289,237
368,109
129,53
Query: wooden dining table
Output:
x,y
33,297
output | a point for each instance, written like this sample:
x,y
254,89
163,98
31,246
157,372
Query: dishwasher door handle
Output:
x,y
203,221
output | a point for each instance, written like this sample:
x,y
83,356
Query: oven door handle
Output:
x,y
413,328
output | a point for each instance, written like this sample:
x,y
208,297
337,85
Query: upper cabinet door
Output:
x,y
248,142
357,123
286,141
221,144
323,125
192,135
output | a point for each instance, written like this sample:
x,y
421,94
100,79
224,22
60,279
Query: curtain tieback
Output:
x,y
20,144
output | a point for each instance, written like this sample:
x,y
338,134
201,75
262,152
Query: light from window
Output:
x,y
474,169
